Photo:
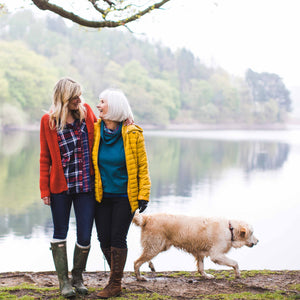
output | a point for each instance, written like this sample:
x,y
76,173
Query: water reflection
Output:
x,y
20,209
177,165
19,157
210,172
23,224
266,156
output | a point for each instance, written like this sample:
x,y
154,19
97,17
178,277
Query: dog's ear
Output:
x,y
243,232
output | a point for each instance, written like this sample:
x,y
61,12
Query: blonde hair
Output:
x,y
118,106
64,90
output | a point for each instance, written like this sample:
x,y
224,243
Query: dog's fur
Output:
x,y
198,236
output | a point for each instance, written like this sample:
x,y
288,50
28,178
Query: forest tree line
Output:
x,y
162,86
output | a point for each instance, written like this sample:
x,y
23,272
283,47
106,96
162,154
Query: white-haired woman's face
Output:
x,y
102,107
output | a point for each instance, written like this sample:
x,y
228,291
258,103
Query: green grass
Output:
x,y
26,286
295,287
180,273
32,292
27,291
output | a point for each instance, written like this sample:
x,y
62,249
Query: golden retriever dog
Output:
x,y
199,236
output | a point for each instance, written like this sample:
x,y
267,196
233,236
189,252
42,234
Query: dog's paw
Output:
x,y
151,266
208,276
141,278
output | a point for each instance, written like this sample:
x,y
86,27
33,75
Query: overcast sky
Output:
x,y
235,34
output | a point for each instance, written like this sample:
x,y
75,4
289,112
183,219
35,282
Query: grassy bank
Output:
x,y
263,284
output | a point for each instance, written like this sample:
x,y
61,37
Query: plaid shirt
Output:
x,y
74,151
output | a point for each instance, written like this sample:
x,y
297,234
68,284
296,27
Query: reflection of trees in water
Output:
x,y
21,210
12,142
37,217
177,165
266,156
19,181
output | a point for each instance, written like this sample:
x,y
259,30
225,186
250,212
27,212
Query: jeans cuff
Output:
x,y
83,247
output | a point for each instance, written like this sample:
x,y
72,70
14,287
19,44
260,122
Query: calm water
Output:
x,y
249,175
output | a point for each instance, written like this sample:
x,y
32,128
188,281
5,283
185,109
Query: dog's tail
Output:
x,y
139,219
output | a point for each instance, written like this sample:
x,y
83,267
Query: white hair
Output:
x,y
118,106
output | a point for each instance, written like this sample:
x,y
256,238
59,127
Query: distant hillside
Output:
x,y
162,86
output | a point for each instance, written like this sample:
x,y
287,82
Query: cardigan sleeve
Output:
x,y
90,121
45,159
143,170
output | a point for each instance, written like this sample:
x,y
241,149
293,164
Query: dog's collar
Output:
x,y
231,230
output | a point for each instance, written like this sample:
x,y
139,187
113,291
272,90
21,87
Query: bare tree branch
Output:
x,y
102,11
109,2
111,8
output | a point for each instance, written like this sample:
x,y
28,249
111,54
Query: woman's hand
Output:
x,y
46,200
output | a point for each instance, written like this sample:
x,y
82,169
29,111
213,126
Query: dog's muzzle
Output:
x,y
252,244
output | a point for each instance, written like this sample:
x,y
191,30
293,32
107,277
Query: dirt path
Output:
x,y
163,285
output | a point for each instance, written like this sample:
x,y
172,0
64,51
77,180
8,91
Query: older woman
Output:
x,y
66,139
122,182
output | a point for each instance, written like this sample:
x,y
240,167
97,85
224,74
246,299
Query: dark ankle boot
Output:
x,y
59,252
79,264
118,260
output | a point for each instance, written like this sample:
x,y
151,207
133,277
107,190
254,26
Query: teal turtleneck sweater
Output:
x,y
111,161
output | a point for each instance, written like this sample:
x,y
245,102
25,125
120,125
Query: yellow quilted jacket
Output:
x,y
139,184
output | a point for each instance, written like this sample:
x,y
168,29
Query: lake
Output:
x,y
247,175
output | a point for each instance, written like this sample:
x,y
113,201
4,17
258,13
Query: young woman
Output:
x,y
122,182
66,178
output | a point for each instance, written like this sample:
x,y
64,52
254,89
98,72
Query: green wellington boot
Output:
x,y
79,262
59,252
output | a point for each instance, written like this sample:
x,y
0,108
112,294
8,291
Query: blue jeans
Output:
x,y
113,217
84,208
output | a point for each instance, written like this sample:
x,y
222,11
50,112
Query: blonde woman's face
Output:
x,y
102,107
74,103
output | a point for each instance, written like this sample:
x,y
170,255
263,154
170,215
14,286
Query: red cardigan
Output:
x,y
52,178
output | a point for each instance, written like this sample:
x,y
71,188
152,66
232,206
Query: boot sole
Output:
x,y
82,292
69,295
111,296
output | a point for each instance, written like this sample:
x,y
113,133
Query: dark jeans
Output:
x,y
84,208
113,218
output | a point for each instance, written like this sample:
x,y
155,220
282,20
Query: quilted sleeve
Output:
x,y
143,170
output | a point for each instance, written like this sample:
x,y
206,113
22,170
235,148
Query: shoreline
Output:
x,y
253,284
190,127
